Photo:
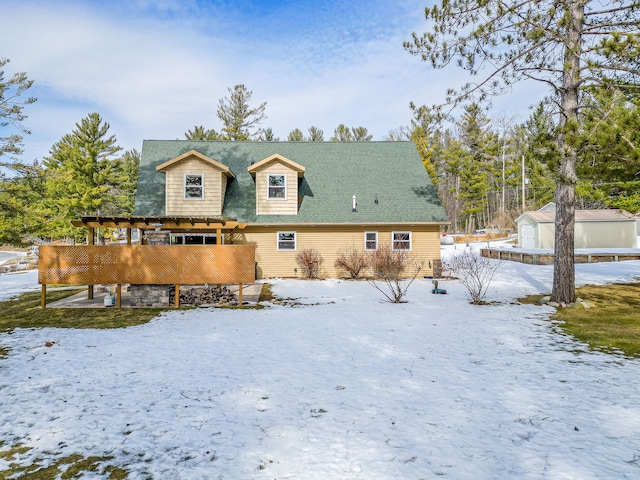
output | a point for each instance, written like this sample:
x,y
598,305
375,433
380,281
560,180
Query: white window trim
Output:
x,y
393,236
276,199
295,242
184,184
365,242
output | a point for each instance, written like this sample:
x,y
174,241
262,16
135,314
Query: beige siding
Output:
x,y
606,234
266,206
214,189
601,234
546,235
329,241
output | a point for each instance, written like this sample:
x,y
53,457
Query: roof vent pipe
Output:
x,y
354,204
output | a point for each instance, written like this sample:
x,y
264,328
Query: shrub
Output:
x,y
309,261
390,268
352,261
474,271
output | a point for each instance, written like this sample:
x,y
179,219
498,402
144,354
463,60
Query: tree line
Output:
x,y
487,171
87,173
579,147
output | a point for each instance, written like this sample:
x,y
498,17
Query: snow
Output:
x,y
343,386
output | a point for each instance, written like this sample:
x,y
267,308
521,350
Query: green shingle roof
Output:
x,y
334,171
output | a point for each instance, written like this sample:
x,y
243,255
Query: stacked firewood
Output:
x,y
203,295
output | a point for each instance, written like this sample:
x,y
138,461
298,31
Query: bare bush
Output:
x,y
352,261
474,271
309,261
395,271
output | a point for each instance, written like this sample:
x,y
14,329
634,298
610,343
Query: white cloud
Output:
x,y
156,69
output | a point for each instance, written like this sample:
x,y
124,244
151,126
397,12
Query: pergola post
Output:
x,y
92,241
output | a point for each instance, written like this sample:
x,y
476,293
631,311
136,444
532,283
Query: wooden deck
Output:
x,y
545,257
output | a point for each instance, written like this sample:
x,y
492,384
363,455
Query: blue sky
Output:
x,y
154,69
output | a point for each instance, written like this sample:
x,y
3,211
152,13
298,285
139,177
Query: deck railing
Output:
x,y
146,264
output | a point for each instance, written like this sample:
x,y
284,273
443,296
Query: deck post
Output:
x,y
91,242
43,296
177,295
240,294
119,295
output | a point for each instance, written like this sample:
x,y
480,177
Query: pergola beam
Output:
x,y
165,222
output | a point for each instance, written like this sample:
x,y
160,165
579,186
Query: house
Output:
x,y
593,229
285,197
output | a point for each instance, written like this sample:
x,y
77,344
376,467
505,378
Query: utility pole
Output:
x,y
523,183
503,206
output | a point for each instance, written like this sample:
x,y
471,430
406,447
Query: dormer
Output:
x,y
195,184
276,185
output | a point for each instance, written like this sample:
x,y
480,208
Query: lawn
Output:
x,y
612,325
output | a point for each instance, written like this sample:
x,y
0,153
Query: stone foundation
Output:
x,y
150,295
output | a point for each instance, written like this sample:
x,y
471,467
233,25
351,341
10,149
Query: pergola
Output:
x,y
149,264
172,223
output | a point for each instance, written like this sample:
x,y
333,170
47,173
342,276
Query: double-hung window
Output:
x,y
276,187
401,240
371,241
193,186
286,241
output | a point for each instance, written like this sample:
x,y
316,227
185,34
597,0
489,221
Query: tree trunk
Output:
x,y
564,289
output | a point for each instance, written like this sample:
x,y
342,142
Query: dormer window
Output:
x,y
193,186
276,187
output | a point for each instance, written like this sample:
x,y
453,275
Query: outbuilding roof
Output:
x,y
388,179
581,216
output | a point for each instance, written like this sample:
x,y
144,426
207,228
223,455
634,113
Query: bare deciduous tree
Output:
x,y
474,272
395,271
352,261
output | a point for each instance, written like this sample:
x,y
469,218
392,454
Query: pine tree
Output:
x,y
316,134
295,135
82,175
21,203
360,134
239,119
342,133
267,135
201,133
126,183
568,45
11,114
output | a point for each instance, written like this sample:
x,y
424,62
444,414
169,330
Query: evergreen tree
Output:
x,y
568,45
342,133
610,150
478,173
295,135
21,203
82,176
425,127
316,134
11,115
267,135
200,133
126,183
541,155
239,119
360,134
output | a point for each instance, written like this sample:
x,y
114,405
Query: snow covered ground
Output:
x,y
345,386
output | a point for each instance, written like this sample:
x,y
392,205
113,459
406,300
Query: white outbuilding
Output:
x,y
593,229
